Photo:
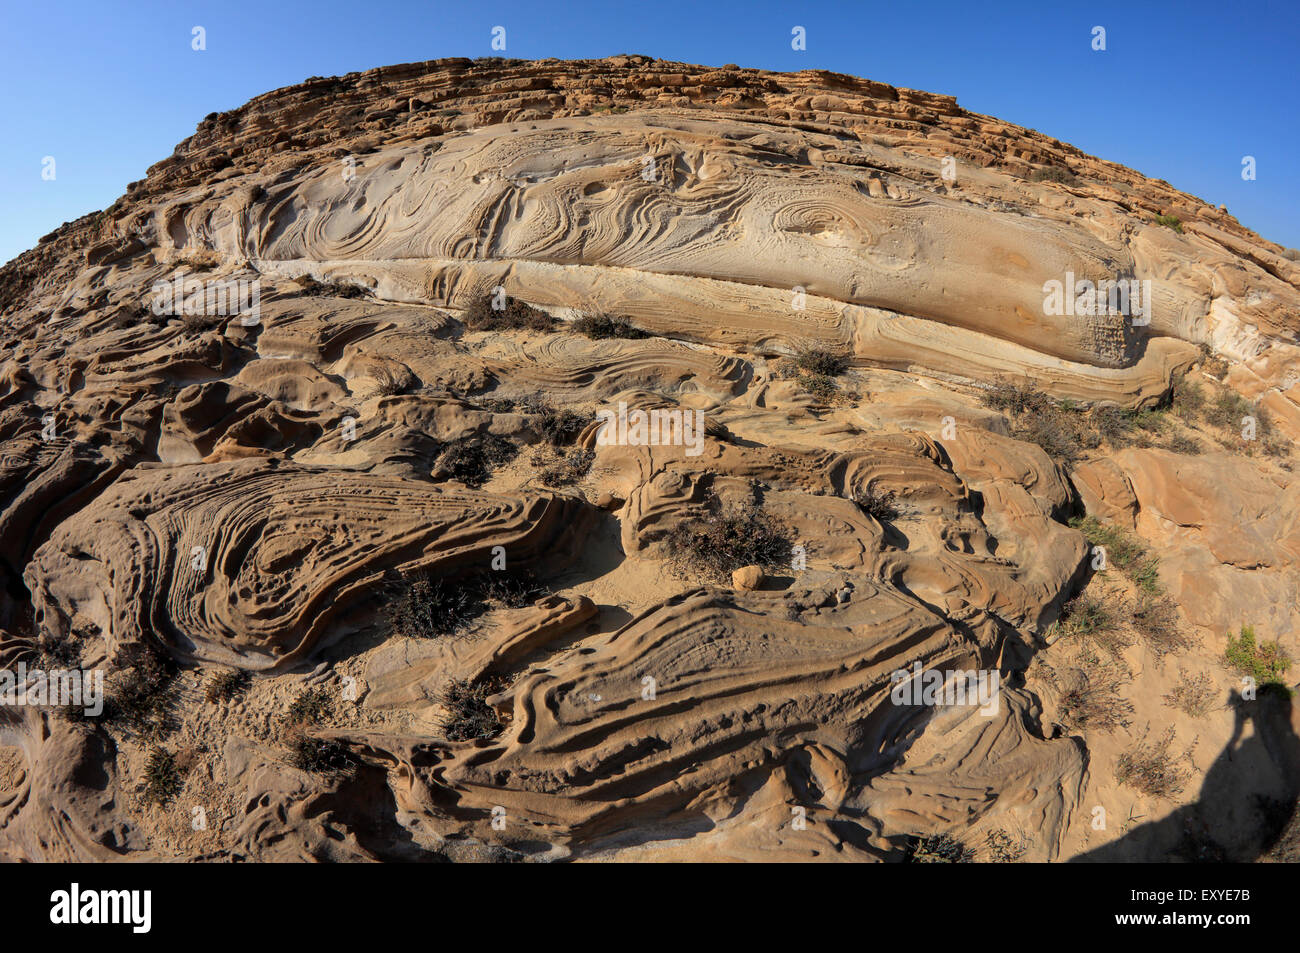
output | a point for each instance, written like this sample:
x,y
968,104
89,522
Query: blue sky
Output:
x,y
1183,91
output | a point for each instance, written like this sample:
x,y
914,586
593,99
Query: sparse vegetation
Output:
x,y
556,427
1153,768
1170,221
820,386
563,468
1181,443
309,708
472,459
1127,553
1006,848
429,608
600,326
141,696
509,590
1265,662
559,427
162,777
514,315
1234,416
1193,695
389,383
468,715
728,538
309,286
1060,429
1091,695
226,685
1187,399
56,652
937,849
880,505
1156,620
1099,622
1054,173
318,755
820,362
1213,363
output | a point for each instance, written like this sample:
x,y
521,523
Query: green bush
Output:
x,y
1265,662
1128,554
1170,221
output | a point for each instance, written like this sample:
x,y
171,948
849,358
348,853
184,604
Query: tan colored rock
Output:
x,y
259,495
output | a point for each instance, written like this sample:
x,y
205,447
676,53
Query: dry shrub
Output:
x,y
601,326
162,777
141,697
881,506
1193,695
310,287
820,362
318,755
1156,620
563,468
1090,695
226,685
937,849
309,708
472,460
515,315
1154,768
727,538
389,383
1004,847
468,715
1097,620
428,608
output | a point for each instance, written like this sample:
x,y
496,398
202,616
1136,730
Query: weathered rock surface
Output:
x,y
250,496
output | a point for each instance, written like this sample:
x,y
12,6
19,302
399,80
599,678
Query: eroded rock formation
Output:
x,y
256,495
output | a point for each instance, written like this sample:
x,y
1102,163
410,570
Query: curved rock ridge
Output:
x,y
368,579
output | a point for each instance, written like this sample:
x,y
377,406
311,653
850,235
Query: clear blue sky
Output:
x,y
1183,91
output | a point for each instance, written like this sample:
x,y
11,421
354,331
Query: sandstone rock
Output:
x,y
258,495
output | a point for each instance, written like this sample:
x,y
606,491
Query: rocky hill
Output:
x,y
306,448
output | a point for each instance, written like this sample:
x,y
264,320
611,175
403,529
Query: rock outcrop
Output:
x,y
839,279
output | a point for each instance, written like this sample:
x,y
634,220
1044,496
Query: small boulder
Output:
x,y
747,578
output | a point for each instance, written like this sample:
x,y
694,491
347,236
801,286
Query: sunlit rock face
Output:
x,y
255,490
